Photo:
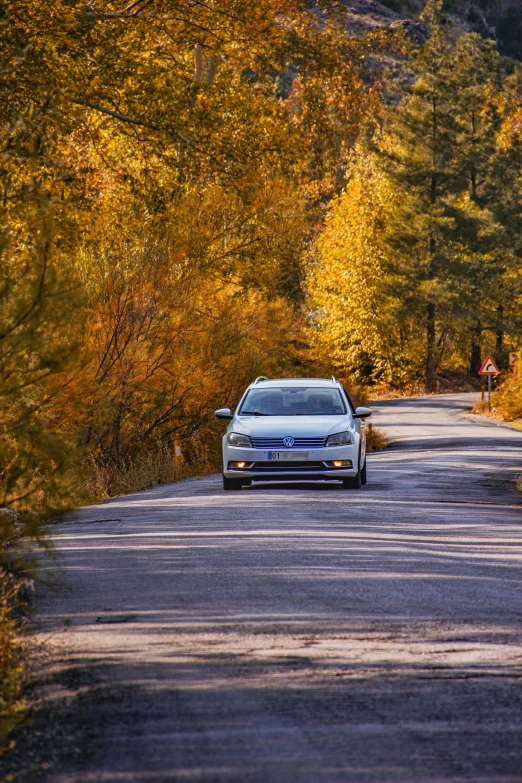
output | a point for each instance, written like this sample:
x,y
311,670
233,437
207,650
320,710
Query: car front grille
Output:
x,y
299,443
288,467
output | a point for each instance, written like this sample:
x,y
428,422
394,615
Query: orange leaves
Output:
x,y
184,206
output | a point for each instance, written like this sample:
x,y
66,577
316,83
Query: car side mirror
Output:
x,y
362,413
223,413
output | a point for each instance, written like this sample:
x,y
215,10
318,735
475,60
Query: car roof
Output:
x,y
270,383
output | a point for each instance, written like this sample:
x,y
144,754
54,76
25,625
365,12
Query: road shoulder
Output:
x,y
490,421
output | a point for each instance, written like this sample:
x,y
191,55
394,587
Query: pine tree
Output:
x,y
418,154
437,150
479,75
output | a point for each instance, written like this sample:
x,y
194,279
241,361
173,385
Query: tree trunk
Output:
x,y
212,66
431,384
499,344
198,63
430,308
476,355
430,348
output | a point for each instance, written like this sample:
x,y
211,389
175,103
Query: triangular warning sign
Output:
x,y
489,367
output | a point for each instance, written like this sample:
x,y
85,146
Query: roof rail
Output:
x,y
333,379
260,378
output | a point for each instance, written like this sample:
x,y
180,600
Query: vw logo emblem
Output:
x,y
288,441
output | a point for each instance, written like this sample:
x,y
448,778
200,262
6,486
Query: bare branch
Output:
x,y
133,5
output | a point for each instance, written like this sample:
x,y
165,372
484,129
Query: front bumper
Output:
x,y
318,466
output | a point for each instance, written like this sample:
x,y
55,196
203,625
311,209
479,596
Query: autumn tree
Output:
x,y
445,234
438,150
187,151
419,155
38,305
360,315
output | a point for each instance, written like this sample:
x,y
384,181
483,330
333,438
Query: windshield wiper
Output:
x,y
254,413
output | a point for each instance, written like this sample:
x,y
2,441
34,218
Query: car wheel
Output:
x,y
232,483
353,483
357,481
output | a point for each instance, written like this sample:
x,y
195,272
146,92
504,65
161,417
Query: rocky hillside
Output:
x,y
499,19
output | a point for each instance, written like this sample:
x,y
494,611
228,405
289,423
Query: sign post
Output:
x,y
177,455
489,368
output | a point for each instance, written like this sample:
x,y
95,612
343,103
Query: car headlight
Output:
x,y
340,439
236,439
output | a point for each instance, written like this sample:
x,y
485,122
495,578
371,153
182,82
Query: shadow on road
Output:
x,y
293,632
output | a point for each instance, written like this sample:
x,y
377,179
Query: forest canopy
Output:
x,y
194,193
417,271
164,168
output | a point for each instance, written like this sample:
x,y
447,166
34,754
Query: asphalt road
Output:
x,y
299,633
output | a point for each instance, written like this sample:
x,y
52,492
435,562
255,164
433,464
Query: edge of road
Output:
x,y
491,421
468,415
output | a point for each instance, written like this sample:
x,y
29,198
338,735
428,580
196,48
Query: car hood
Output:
x,y
296,426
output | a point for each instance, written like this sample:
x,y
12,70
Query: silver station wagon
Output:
x,y
294,429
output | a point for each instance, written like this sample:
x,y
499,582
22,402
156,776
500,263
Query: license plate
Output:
x,y
288,456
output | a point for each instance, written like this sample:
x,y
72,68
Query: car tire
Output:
x,y
357,481
353,482
231,483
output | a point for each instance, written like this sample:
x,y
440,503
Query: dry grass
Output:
x,y
376,440
506,401
200,457
481,408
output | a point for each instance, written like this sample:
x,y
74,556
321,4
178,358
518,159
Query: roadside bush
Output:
x,y
14,581
11,666
507,399
376,440
201,454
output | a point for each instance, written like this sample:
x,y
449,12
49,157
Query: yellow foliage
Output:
x,y
507,399
352,307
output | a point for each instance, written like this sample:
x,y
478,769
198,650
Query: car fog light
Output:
x,y
240,465
340,463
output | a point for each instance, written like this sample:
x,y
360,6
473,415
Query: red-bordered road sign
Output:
x,y
489,367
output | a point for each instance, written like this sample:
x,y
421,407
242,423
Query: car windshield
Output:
x,y
299,401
